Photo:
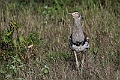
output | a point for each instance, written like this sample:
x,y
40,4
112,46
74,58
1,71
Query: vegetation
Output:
x,y
34,40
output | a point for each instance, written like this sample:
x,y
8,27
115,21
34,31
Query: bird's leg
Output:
x,y
77,63
83,59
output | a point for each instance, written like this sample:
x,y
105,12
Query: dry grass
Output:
x,y
101,22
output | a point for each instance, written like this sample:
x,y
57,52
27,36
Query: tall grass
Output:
x,y
38,46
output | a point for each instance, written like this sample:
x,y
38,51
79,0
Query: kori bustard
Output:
x,y
78,42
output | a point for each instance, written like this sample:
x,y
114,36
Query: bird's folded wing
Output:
x,y
81,47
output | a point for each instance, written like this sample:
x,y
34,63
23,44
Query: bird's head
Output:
x,y
76,15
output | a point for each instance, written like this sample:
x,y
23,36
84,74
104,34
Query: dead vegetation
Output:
x,y
47,27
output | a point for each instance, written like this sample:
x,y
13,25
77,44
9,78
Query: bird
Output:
x,y
78,41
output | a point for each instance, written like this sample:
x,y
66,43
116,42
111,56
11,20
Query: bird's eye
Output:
x,y
76,13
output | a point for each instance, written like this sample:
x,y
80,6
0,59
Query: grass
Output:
x,y
46,27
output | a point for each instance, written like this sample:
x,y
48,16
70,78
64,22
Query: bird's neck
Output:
x,y
77,32
77,25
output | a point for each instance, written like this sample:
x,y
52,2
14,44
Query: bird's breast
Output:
x,y
77,37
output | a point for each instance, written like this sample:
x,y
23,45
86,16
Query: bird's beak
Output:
x,y
69,13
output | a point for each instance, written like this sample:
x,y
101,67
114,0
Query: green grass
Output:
x,y
47,27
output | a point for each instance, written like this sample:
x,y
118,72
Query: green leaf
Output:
x,y
46,71
9,33
6,39
22,40
20,79
1,71
15,43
